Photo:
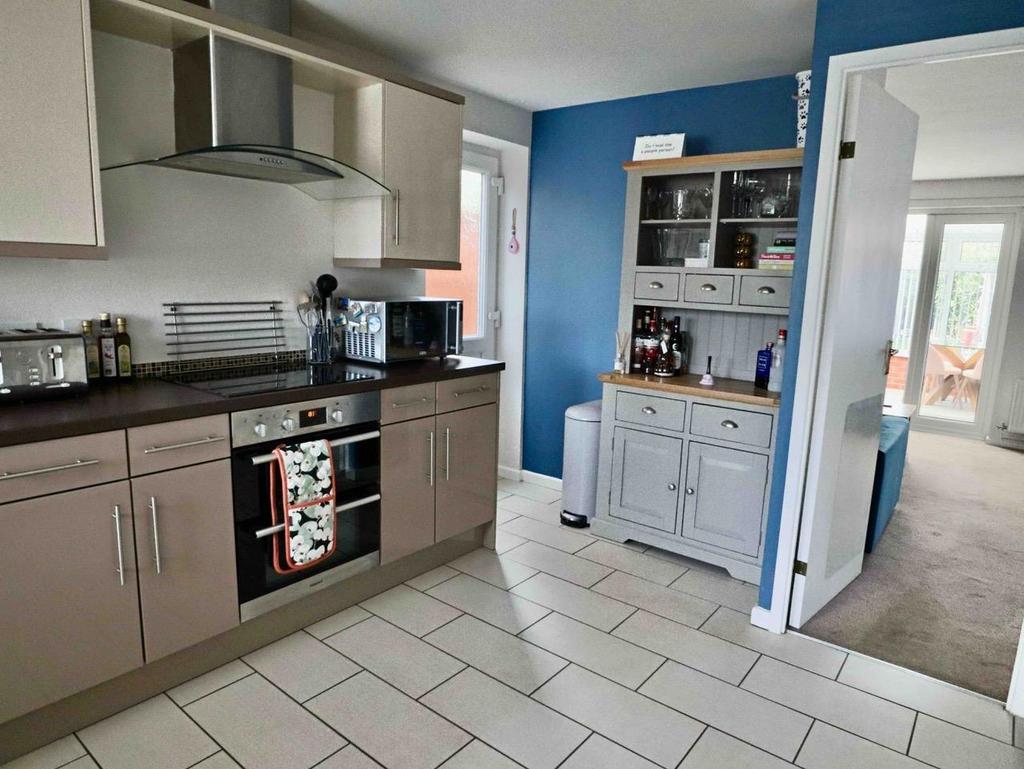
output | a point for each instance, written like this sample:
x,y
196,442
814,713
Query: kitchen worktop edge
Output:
x,y
733,390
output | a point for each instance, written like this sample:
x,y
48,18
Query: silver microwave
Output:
x,y
407,328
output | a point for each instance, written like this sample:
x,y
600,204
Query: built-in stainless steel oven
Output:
x,y
351,424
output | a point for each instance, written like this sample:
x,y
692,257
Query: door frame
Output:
x,y
484,162
812,329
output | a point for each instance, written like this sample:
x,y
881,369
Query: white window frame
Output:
x,y
477,159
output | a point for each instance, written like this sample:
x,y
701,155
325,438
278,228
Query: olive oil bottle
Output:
x,y
108,352
123,348
92,351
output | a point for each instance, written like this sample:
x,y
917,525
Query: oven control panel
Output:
x,y
297,421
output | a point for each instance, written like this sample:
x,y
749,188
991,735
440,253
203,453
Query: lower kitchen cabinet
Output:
x,y
70,599
467,460
725,494
186,546
645,478
407,478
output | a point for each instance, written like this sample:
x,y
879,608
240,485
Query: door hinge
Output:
x,y
800,567
847,150
495,316
498,182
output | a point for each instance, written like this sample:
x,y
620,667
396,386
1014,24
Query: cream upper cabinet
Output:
x,y
49,174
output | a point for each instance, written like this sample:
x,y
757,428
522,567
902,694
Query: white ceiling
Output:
x,y
971,115
540,54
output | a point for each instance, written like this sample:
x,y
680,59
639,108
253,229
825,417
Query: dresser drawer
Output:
x,y
47,467
708,289
666,413
454,394
764,291
175,444
403,403
657,285
750,427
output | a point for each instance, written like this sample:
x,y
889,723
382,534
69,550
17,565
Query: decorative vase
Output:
x,y
803,99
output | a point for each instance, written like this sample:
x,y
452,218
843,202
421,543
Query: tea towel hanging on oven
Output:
x,y
302,497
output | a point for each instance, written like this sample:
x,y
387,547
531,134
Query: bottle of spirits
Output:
x,y
123,349
680,347
778,360
108,352
764,367
637,362
92,351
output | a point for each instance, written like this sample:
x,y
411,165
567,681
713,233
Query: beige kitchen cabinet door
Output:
x,y
50,201
422,168
186,556
69,597
467,469
407,481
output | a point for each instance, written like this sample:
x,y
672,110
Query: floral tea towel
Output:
x,y
302,497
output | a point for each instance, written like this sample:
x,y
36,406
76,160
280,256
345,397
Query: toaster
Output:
x,y
41,363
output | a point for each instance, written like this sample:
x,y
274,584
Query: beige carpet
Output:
x,y
943,593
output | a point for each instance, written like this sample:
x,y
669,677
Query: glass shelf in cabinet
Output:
x,y
678,222
760,220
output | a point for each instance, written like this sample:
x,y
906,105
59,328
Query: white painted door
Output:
x,y
1015,699
871,214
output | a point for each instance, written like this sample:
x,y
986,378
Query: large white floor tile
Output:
x,y
498,570
486,602
219,761
559,564
600,753
86,762
531,508
691,647
411,610
789,647
827,747
951,747
337,622
52,756
511,660
262,727
506,540
190,691
632,562
646,727
476,755
556,536
715,750
154,734
504,516
519,727
393,729
301,665
717,586
574,601
401,659
935,698
656,599
530,490
349,757
871,717
430,578
734,711
593,649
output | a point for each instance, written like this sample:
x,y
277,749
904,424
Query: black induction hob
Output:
x,y
237,381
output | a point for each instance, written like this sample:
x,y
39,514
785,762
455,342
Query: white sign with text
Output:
x,y
660,146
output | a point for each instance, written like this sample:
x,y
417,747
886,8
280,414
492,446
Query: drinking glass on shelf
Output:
x,y
652,202
680,203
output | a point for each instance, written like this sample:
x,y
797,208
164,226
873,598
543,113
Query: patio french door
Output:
x,y
950,318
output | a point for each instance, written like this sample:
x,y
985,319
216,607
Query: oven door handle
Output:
x,y
263,459
271,530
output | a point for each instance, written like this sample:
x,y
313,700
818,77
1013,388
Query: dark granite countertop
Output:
x,y
147,401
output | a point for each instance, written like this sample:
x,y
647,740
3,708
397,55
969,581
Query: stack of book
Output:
x,y
780,255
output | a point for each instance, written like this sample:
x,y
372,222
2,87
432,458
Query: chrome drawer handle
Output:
x,y
766,290
655,284
271,530
480,389
728,424
406,404
648,410
186,444
120,547
44,470
708,287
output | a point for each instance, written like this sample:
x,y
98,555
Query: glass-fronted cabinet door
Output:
x,y
676,213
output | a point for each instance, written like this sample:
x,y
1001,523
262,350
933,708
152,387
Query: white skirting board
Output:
x,y
510,473
547,481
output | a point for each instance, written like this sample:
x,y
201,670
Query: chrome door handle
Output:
x,y
655,284
186,444
120,548
53,469
672,487
398,219
480,389
708,287
406,404
263,533
430,473
447,451
648,410
728,424
156,533
690,491
265,458
766,290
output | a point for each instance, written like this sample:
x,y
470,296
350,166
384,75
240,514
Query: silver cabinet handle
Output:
x,y
186,444
480,389
120,548
766,290
728,424
156,533
44,470
270,530
447,451
672,487
406,404
398,219
655,284
648,410
690,491
430,473
265,458
708,287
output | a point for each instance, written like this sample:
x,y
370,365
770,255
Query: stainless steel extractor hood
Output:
x,y
233,113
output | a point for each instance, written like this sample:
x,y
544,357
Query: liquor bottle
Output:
x,y
637,362
764,367
92,351
123,349
108,352
680,348
778,359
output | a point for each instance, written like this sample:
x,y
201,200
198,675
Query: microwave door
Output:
x,y
416,330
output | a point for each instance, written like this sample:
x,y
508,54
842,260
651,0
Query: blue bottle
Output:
x,y
764,367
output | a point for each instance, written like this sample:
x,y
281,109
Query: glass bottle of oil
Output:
x,y
123,347
92,351
108,351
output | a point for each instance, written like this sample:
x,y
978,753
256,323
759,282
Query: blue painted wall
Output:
x,y
577,200
843,26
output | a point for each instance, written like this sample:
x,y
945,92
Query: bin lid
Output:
x,y
585,412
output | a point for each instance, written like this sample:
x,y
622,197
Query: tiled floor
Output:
x,y
564,651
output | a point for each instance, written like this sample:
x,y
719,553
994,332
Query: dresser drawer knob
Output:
x,y
671,487
709,287
766,290
648,410
655,284
690,491
728,424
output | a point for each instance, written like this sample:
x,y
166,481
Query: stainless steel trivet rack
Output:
x,y
197,330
